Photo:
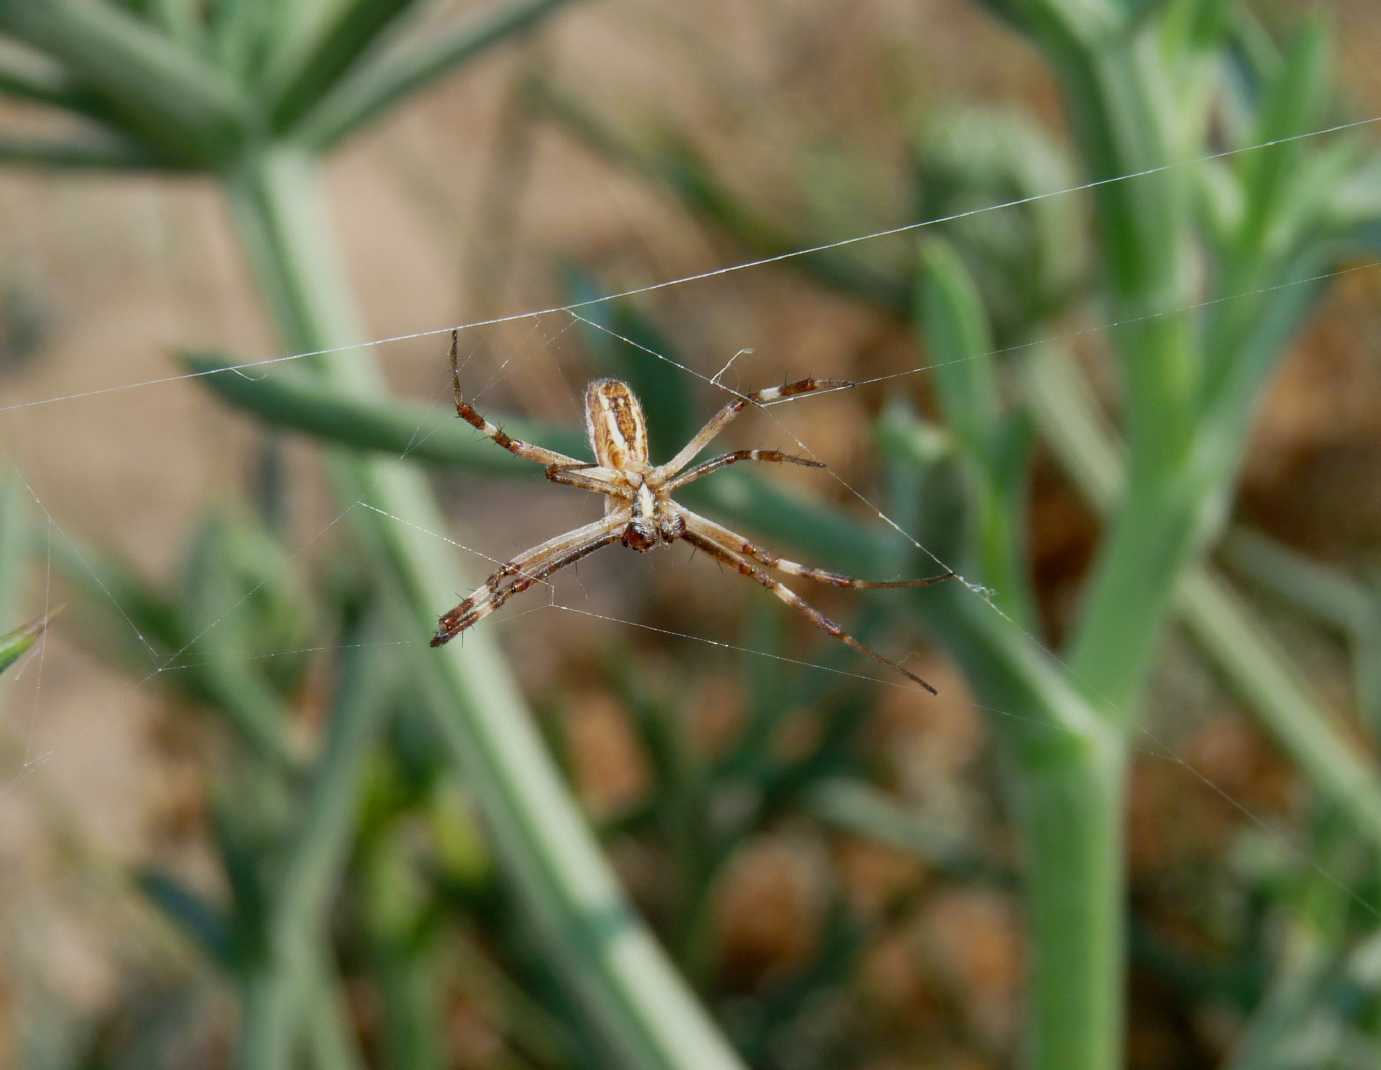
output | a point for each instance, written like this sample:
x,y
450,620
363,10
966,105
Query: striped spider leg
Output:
x,y
639,511
720,420
531,567
733,549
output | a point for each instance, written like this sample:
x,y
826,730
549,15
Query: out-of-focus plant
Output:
x,y
1206,267
252,94
14,540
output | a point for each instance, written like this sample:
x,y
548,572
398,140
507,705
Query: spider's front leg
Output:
x,y
705,468
591,477
720,420
517,447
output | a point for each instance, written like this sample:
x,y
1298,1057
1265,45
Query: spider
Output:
x,y
638,507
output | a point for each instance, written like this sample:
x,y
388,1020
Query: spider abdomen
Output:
x,y
615,423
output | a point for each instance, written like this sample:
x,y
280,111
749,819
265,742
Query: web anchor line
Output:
x,y
701,276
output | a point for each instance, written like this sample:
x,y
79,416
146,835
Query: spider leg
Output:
x,y
530,567
791,598
700,471
725,416
589,477
736,543
466,412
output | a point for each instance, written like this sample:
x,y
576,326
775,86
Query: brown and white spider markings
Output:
x,y
639,511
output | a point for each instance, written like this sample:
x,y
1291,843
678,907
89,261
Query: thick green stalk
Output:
x,y
639,1009
1072,813
1067,793
1223,628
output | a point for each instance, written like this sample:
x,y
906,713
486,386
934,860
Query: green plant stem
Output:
x,y
1120,104
1116,89
1067,794
14,538
638,1008
330,1033
1223,628
278,984
1071,812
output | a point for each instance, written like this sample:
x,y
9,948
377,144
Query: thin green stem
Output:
x,y
278,986
16,638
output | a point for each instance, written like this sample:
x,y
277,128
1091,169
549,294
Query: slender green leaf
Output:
x,y
1293,105
956,331
40,81
199,919
14,534
358,27
93,152
385,82
995,444
859,809
407,430
15,644
180,19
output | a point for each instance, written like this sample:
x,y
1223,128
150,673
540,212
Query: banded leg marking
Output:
x,y
530,567
467,412
795,601
725,416
736,543
715,464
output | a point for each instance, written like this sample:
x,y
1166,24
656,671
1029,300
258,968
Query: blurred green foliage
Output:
x,y
387,824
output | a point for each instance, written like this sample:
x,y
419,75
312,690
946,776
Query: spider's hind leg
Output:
x,y
746,568
736,543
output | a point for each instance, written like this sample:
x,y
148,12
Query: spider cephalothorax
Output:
x,y
638,508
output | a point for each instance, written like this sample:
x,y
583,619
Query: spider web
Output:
x,y
544,331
